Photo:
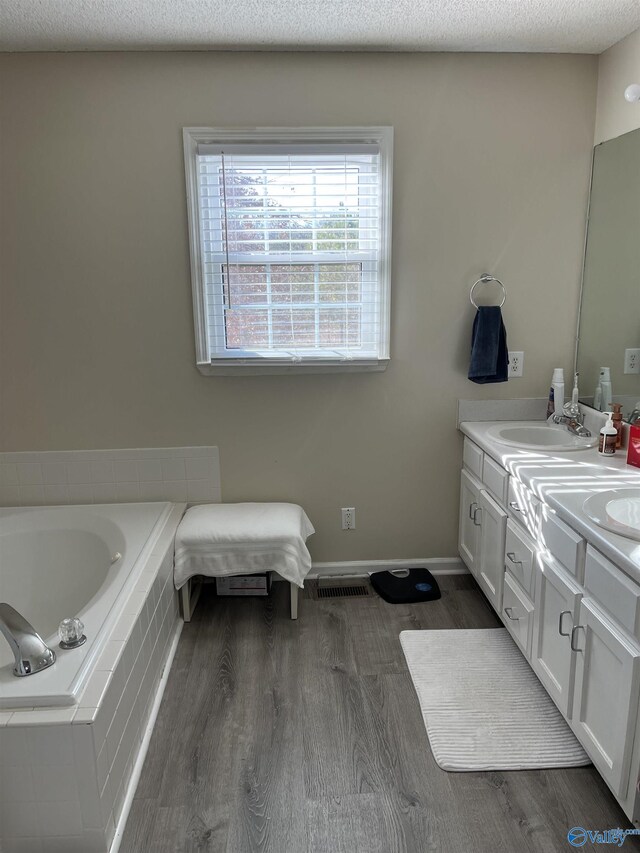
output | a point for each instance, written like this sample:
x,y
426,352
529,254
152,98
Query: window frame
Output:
x,y
237,363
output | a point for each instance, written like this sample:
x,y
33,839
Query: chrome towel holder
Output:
x,y
485,278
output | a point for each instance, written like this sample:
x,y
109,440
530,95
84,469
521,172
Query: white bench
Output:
x,y
217,540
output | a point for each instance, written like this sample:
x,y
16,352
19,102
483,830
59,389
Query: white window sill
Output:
x,y
274,367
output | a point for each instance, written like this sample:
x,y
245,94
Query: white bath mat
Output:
x,y
483,706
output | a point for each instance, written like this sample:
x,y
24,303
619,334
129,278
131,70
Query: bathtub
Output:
x,y
73,737
70,561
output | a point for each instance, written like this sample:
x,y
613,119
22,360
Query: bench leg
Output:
x,y
186,601
294,600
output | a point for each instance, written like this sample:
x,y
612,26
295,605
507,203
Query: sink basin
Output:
x,y
539,436
617,510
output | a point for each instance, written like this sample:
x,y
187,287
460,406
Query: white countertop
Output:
x,y
563,481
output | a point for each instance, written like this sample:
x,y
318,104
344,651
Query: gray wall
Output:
x,y
492,158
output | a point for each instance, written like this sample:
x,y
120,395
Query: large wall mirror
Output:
x,y
609,323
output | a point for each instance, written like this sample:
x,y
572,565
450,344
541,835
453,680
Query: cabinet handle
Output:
x,y
560,631
508,611
471,509
574,630
476,511
512,557
516,507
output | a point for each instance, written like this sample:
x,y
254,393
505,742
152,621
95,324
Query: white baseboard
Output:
x,y
361,568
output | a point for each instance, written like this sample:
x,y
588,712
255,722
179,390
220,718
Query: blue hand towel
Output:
x,y
489,354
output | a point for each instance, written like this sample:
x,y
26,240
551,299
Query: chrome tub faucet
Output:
x,y
31,652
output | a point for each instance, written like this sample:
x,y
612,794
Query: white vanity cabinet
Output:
x,y
573,613
557,599
607,691
481,535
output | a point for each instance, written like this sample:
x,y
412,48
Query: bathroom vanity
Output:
x,y
566,589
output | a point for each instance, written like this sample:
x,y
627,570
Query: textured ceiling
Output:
x,y
573,26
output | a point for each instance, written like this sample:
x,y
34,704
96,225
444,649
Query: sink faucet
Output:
x,y
574,419
32,654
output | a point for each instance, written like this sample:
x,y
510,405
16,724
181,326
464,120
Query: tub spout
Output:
x,y
32,654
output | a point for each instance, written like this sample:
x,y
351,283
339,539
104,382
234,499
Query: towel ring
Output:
x,y
484,279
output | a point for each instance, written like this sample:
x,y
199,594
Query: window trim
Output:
x,y
230,365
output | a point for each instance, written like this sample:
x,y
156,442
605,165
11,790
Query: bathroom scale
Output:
x,y
406,586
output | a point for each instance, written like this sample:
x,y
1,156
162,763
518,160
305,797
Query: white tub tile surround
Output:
x,y
65,773
39,478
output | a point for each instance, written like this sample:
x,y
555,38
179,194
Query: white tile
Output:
x,y
109,831
16,784
56,495
125,471
149,469
50,745
9,474
93,693
80,493
203,468
104,493
102,472
25,845
173,469
84,716
31,495
63,818
79,472
152,491
55,783
18,820
87,774
110,655
30,474
124,627
200,490
67,844
54,473
102,768
42,717
13,747
10,496
127,492
93,841
175,490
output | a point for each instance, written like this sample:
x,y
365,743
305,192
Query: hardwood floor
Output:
x,y
307,738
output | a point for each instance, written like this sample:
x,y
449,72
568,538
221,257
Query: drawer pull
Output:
x,y
471,509
512,557
560,631
475,513
574,631
508,611
516,507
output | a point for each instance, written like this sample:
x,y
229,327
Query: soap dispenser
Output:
x,y
608,437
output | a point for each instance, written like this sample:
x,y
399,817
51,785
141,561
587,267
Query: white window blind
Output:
x,y
293,250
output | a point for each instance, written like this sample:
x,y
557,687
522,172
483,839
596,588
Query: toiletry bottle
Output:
x,y
616,417
558,390
608,436
605,385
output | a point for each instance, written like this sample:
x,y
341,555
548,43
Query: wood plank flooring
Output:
x,y
282,737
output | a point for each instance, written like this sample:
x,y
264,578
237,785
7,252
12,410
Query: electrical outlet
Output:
x,y
516,364
348,517
632,360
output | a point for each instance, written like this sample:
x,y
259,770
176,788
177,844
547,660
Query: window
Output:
x,y
290,234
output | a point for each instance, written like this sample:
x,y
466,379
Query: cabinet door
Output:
x,y
469,523
493,527
605,703
557,600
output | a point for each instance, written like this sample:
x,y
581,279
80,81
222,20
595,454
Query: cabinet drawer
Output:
x,y
613,590
523,506
566,546
519,554
472,457
495,478
517,614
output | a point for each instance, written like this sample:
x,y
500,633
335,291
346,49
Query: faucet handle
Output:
x,y
572,410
